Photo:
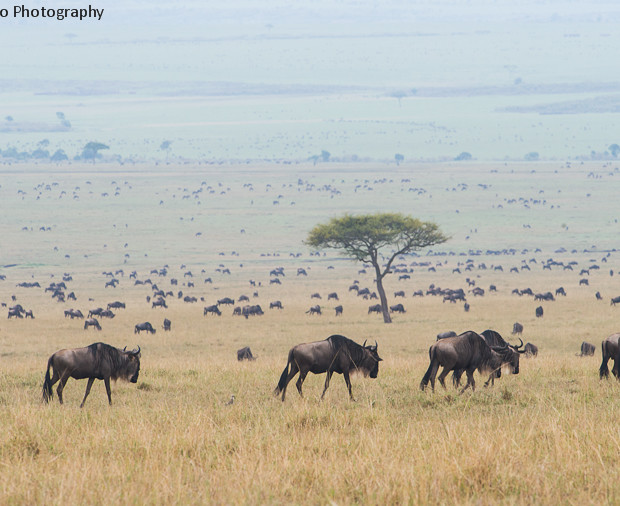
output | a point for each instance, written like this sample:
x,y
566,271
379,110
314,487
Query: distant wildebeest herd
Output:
x,y
465,353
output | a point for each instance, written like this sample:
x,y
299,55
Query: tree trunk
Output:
x,y
384,303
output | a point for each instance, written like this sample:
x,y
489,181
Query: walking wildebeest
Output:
x,y
226,301
468,351
397,308
144,326
531,350
610,348
97,361
517,328
587,349
314,310
614,301
92,322
116,305
95,312
167,324
335,354
275,304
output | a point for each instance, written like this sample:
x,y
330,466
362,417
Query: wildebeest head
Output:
x,y
510,355
370,362
132,367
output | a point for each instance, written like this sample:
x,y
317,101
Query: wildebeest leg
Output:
x,y
291,374
443,375
88,385
107,389
470,381
348,382
327,378
61,385
300,381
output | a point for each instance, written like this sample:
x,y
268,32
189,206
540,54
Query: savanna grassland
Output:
x,y
548,435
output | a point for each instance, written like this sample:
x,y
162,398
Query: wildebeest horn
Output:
x,y
376,345
517,347
364,345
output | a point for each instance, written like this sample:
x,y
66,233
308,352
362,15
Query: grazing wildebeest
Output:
x,y
251,310
587,349
97,361
332,296
167,324
159,303
376,308
275,304
531,350
539,312
74,313
397,308
444,335
517,328
106,313
598,296
336,354
13,312
29,314
92,322
544,296
338,310
237,311
212,309
314,310
610,348
116,305
315,296
468,351
143,326
560,291
400,293
584,281
95,312
614,301
245,354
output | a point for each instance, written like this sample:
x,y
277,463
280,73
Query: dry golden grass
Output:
x,y
546,436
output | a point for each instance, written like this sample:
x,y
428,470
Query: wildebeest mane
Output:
x,y
353,350
103,353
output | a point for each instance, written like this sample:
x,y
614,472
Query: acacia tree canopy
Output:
x,y
371,237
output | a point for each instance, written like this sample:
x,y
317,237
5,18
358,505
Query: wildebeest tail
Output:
x,y
47,383
427,376
282,381
604,370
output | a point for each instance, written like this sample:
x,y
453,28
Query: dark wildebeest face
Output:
x,y
509,355
370,364
132,369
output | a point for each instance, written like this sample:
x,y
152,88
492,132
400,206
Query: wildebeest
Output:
x,y
517,328
610,348
560,291
212,309
97,361
397,308
336,354
468,351
314,310
95,312
226,301
275,304
614,301
74,313
531,350
106,314
167,324
144,326
92,322
159,303
587,349
376,308
338,310
116,305
15,313
332,296
245,354
252,310
444,335
539,312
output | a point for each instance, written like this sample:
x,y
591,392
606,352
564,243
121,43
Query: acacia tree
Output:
x,y
365,237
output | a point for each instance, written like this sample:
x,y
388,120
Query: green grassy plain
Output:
x,y
546,436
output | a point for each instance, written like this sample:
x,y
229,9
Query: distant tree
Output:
x,y
59,156
398,95
463,156
614,149
399,158
44,143
364,237
91,150
325,156
40,154
165,146
532,156
314,159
